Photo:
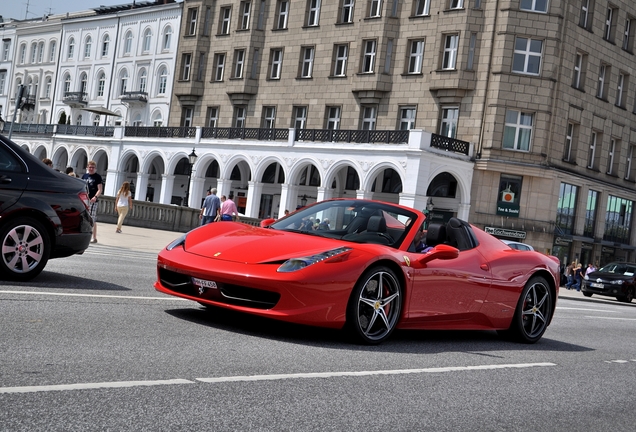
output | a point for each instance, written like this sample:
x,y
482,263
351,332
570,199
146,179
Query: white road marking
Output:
x,y
612,318
122,384
93,295
587,310
616,361
91,386
369,373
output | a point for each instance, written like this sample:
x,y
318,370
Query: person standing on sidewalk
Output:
x,y
569,274
95,187
229,211
123,204
578,277
211,208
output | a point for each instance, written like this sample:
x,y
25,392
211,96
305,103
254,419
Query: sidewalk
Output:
x,y
134,238
565,293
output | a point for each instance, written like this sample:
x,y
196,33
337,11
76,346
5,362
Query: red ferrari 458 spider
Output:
x,y
367,266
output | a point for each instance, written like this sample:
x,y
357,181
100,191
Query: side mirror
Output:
x,y
442,251
267,222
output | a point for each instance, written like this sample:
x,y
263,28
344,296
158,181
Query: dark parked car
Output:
x,y
43,213
617,279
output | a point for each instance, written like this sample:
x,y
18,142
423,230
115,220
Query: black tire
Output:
x,y
628,297
375,306
587,294
25,249
532,313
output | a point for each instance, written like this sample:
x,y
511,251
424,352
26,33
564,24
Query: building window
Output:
x,y
569,142
618,220
300,117
629,165
456,4
34,52
566,208
422,7
128,43
346,11
219,66
276,63
416,54
213,117
70,53
585,17
47,88
578,76
333,118
527,57
101,84
269,117
255,59
3,80
407,118
187,114
534,5
246,8
201,68
167,38
518,130
389,56
67,85
206,21
147,40
313,13
40,52
375,8
186,63
369,117
6,45
340,53
192,21
52,51
163,81
123,82
603,75
470,63
261,15
610,24
239,61
240,112
590,213
224,25
621,89
591,160
628,35
368,56
282,14
611,156
449,59
105,45
448,123
307,62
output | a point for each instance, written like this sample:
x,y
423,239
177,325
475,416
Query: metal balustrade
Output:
x,y
450,144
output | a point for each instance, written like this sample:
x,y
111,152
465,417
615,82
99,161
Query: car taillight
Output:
x,y
84,197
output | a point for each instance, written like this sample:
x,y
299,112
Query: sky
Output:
x,y
37,8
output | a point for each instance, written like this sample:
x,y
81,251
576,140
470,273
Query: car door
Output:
x,y
449,290
13,177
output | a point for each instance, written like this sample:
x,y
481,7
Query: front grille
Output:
x,y
226,293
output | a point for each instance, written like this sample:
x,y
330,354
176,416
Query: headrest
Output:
x,y
376,224
436,234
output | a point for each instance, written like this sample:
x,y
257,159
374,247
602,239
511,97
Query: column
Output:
x,y
254,192
223,187
142,186
167,185
197,194
113,182
284,200
324,193
362,194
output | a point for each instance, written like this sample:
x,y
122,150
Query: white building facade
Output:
x,y
7,46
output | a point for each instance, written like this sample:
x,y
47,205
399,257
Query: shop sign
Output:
x,y
606,249
562,241
507,209
587,246
502,232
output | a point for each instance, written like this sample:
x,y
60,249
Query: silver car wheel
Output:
x,y
535,309
22,249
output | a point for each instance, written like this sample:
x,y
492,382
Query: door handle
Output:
x,y
5,179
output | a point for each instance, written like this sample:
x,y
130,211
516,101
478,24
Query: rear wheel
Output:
x,y
375,305
532,314
25,249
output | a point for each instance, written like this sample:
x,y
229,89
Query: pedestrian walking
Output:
x,y
123,204
569,274
228,209
211,208
578,277
95,187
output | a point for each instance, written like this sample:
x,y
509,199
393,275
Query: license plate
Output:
x,y
205,284
597,285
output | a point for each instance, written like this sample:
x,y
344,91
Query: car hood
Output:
x,y
238,242
609,276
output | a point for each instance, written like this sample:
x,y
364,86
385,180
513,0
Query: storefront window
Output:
x,y
590,213
618,220
566,208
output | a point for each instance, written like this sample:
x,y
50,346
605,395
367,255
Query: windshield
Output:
x,y
619,269
352,220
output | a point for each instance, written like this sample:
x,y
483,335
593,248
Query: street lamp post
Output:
x,y
192,158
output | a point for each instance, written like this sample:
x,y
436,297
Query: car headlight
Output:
x,y
295,264
617,282
178,242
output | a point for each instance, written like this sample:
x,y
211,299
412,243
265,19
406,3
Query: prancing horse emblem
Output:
x,y
201,290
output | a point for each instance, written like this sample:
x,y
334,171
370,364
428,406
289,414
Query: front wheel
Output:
x,y
587,294
375,305
25,249
532,314
627,298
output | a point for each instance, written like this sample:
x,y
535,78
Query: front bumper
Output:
x,y
606,289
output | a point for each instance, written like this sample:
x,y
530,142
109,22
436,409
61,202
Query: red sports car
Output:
x,y
367,266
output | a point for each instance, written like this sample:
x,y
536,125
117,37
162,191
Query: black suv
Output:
x,y
43,213
617,279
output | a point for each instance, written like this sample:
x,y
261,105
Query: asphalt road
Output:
x,y
90,346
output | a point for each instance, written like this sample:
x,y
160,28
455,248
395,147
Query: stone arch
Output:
x,y
40,152
338,173
60,158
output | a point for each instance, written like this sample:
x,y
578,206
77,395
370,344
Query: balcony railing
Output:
x,y
76,99
246,133
134,96
353,136
105,131
160,132
32,128
450,144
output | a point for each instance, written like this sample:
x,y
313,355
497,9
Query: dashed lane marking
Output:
x,y
586,309
275,377
612,318
92,295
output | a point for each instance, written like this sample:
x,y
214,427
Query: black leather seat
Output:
x,y
435,234
375,232
459,234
